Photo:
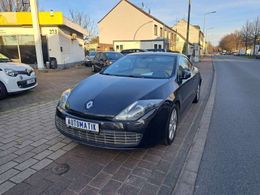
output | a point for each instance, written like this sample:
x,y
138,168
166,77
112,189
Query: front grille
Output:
x,y
105,137
25,72
23,84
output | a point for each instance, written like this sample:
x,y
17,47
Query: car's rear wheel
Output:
x,y
197,97
3,91
171,127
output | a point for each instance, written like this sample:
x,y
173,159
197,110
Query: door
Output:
x,y
184,79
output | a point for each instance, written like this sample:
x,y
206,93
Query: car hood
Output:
x,y
112,94
15,66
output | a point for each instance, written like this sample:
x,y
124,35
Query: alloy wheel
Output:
x,y
173,124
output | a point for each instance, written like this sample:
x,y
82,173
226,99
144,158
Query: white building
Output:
x,y
61,38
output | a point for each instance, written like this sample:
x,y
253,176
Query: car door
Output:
x,y
184,80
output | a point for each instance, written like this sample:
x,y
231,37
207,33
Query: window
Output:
x,y
155,30
155,46
161,32
160,46
121,47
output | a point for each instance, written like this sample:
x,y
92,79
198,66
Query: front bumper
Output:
x,y
112,135
19,83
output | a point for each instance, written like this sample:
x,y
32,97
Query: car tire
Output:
x,y
197,97
3,91
172,125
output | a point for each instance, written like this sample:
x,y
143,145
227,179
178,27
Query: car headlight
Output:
x,y
63,99
138,109
10,72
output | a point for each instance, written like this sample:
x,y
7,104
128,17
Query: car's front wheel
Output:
x,y
197,97
171,127
3,91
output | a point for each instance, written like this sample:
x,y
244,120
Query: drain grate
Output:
x,y
60,169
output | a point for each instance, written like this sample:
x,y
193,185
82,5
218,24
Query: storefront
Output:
x,y
61,38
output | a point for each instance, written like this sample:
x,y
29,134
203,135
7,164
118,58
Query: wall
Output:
x,y
123,22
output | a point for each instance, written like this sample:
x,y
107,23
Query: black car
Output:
x,y
89,58
135,102
104,59
129,51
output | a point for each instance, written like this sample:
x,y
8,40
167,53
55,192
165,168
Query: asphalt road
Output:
x,y
231,159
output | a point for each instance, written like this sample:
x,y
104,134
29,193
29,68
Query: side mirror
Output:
x,y
185,74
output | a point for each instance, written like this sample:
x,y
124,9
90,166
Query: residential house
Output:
x,y
196,36
127,26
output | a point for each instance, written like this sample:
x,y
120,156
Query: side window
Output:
x,y
103,56
97,56
183,64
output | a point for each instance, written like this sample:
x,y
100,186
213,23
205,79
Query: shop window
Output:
x,y
9,46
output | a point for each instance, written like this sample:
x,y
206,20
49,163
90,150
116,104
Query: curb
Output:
x,y
187,179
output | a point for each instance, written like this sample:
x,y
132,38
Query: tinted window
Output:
x,y
145,66
92,53
113,56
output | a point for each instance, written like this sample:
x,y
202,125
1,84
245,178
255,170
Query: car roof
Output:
x,y
158,53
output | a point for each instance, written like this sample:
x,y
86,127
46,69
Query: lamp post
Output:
x,y
188,29
37,34
204,20
204,26
206,38
141,27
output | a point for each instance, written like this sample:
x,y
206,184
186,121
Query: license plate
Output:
x,y
30,81
83,125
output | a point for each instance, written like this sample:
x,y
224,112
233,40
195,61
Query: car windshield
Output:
x,y
114,56
3,58
92,53
143,66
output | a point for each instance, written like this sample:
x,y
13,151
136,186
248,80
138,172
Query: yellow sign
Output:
x,y
25,18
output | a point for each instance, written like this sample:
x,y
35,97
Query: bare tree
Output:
x,y
14,5
256,32
84,21
247,34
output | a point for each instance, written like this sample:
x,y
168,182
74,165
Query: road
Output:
x,y
231,159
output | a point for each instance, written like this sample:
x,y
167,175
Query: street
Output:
x,y
231,159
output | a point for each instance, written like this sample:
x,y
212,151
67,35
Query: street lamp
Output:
x,y
188,29
204,21
141,27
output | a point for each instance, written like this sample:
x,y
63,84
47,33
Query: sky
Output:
x,y
230,14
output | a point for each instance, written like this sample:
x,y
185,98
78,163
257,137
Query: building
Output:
x,y
196,36
127,25
61,38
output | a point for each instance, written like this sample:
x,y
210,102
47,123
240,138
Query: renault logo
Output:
x,y
89,104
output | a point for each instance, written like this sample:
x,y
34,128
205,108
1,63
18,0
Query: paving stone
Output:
x,y
128,190
43,163
7,166
8,174
111,187
57,146
149,189
40,148
184,189
8,151
22,175
43,154
79,183
56,154
4,187
112,167
18,189
100,180
136,181
141,172
24,157
121,174
39,142
26,164
24,150
88,190
165,190
69,146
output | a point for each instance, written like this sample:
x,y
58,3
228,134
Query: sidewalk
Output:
x,y
36,159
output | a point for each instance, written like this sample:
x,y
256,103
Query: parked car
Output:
x,y
15,77
157,50
104,59
128,51
136,102
89,58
